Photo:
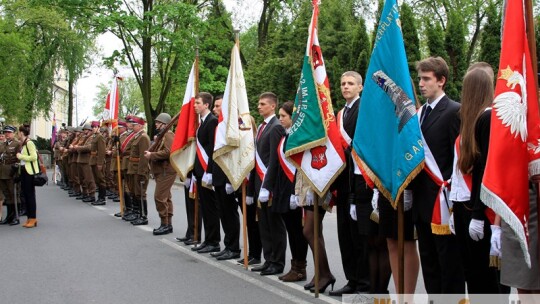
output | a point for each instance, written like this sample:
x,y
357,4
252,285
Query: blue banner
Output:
x,y
388,141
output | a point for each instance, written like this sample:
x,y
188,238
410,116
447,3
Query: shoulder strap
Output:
x,y
31,163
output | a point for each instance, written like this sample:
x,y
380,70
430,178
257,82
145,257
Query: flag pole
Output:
x,y
401,248
316,242
244,188
196,199
118,165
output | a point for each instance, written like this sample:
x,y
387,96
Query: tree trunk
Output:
x,y
70,101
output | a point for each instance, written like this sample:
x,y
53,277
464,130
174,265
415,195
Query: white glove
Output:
x,y
292,202
352,212
187,183
249,200
476,229
407,200
228,188
451,224
495,241
207,179
375,199
310,198
264,195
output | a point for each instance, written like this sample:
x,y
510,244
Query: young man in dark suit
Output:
x,y
202,170
439,119
271,225
352,245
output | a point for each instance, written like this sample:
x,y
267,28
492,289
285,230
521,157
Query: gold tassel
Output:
x,y
440,229
374,216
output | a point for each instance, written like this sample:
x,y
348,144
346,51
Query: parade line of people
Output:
x,y
480,256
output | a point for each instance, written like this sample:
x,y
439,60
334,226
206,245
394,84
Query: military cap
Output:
x,y
10,129
94,124
122,124
136,120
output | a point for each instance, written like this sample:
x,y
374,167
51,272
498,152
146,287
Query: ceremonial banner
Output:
x,y
388,142
234,149
183,150
314,145
514,139
110,114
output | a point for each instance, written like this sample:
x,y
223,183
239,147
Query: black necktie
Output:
x,y
425,114
345,112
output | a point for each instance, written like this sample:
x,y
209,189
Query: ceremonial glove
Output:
x,y
407,200
352,212
292,202
207,179
495,241
310,198
228,188
451,224
476,229
187,183
249,200
375,199
264,195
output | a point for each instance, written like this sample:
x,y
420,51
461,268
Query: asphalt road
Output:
x,y
82,254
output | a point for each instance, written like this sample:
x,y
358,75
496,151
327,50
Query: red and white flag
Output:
x,y
184,147
110,114
314,145
514,141
234,149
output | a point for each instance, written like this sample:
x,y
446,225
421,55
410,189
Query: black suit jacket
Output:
x,y
266,147
343,182
205,135
440,130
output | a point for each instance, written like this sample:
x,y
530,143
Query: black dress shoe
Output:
x,y
273,269
163,229
99,202
263,267
140,221
74,194
251,261
347,289
199,247
80,197
170,228
130,217
89,199
116,200
182,239
191,242
218,254
228,256
209,248
119,214
14,222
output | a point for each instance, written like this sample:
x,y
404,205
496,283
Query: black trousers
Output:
x,y
28,192
254,237
479,276
230,221
441,261
297,242
273,235
210,215
190,214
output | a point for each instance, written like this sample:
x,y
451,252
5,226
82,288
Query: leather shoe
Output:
x,y
119,214
263,267
218,254
199,247
99,203
209,248
191,242
251,261
183,239
163,229
14,222
228,256
140,221
347,289
273,269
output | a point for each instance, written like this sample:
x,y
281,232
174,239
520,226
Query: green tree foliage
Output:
x,y
490,43
435,39
410,39
455,48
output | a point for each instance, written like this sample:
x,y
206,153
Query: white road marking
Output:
x,y
259,283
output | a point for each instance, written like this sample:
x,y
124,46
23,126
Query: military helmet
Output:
x,y
79,129
164,118
87,126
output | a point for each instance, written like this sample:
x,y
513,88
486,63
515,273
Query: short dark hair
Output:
x,y
218,97
25,129
207,98
437,65
288,107
270,96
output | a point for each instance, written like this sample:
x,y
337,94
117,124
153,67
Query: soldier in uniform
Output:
x,y
8,159
112,150
97,160
164,174
138,169
85,171
61,162
56,156
106,170
76,189
132,212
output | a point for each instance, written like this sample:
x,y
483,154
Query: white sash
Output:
x,y
201,155
259,166
287,167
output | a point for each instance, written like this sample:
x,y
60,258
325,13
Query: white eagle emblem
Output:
x,y
106,114
510,107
